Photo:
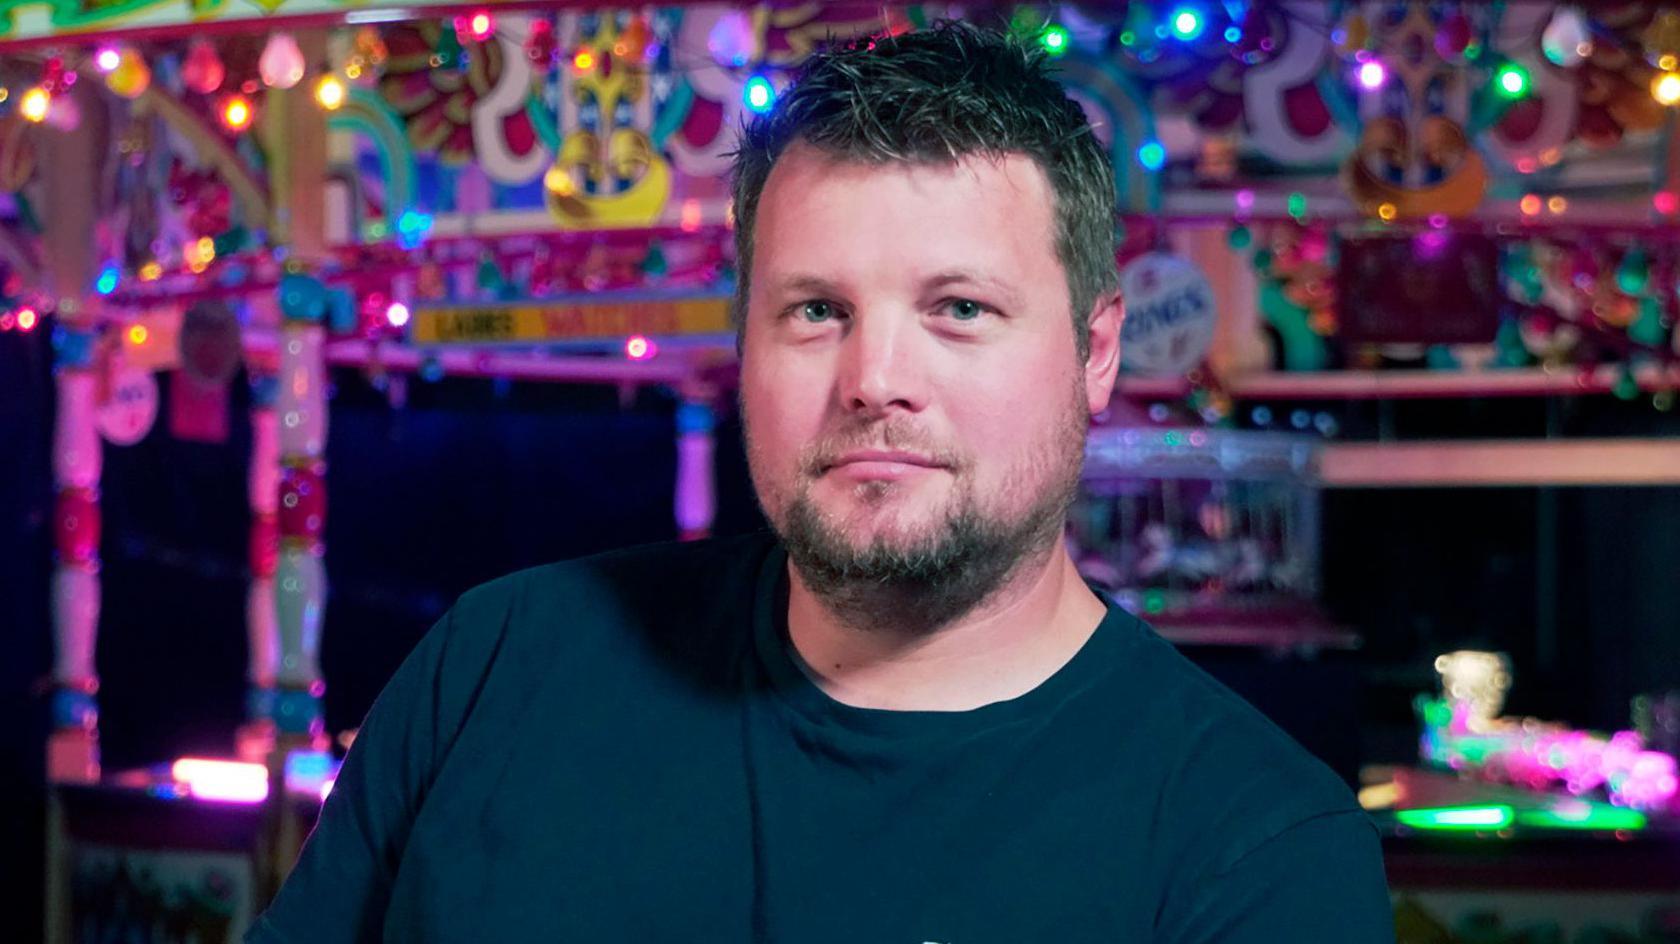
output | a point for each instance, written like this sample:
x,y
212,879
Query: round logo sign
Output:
x,y
1169,314
128,412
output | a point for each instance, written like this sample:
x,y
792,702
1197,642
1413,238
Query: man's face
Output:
x,y
909,376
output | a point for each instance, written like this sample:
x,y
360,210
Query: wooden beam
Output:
x,y
1459,464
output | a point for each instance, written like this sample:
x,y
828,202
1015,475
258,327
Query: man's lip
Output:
x,y
882,455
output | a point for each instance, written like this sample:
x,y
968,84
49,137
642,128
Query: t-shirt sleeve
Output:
x,y
1320,880
337,892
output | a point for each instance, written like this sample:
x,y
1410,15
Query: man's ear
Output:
x,y
1102,363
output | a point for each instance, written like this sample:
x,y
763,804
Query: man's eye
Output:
x,y
817,312
963,309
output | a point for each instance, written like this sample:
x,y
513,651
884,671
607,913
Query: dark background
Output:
x,y
472,479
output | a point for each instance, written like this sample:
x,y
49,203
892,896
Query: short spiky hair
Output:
x,y
937,95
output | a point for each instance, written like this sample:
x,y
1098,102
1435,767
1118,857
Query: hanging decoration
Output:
x,y
202,70
1414,159
281,64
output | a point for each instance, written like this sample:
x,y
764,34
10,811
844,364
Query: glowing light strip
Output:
x,y
1497,816
226,780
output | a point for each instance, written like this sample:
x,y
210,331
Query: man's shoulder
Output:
x,y
1223,759
646,570
684,594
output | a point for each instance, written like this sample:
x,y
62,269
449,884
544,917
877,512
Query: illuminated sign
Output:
x,y
583,319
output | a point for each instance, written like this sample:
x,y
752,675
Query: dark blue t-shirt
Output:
x,y
622,749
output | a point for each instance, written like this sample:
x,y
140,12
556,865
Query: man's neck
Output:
x,y
1008,646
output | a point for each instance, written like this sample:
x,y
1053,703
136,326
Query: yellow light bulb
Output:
x,y
1665,88
329,92
34,104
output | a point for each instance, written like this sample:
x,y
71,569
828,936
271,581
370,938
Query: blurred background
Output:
x,y
312,319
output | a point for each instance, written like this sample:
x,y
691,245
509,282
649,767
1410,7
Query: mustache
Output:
x,y
887,435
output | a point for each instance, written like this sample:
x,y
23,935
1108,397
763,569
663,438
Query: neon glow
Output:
x,y
137,335
397,314
638,348
1581,814
226,780
1540,756
759,94
584,61
107,281
1152,155
106,59
26,319
1497,816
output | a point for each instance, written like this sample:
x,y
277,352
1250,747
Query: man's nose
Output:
x,y
881,367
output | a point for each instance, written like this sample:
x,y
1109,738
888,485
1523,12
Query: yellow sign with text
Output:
x,y
555,322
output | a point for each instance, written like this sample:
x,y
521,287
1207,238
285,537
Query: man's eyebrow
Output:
x,y
804,284
970,277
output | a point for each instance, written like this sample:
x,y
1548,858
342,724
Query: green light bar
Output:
x,y
1481,818
1593,816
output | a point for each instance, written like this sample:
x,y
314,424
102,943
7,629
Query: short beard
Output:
x,y
919,587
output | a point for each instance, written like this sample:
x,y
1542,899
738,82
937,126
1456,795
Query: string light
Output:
x,y
137,335
330,92
1054,39
106,59
1511,80
638,348
1187,23
1665,88
584,61
478,27
412,228
759,94
107,281
396,314
34,104
26,319
1372,75
236,113
1152,155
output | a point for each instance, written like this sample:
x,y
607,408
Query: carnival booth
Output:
x,y
1322,204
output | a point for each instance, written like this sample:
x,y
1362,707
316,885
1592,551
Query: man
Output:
x,y
904,718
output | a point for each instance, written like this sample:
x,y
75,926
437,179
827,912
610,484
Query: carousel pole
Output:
x,y
68,161
696,498
296,132
69,158
256,737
